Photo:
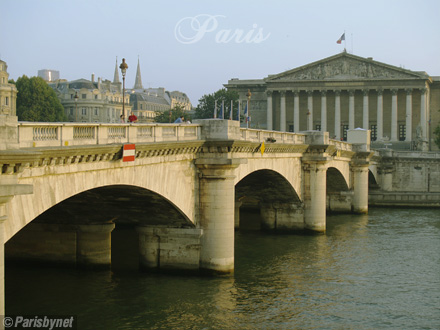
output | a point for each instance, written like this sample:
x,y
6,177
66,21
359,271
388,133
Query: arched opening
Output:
x,y
261,198
339,197
372,182
108,216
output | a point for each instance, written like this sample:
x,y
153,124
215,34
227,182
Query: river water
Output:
x,y
376,271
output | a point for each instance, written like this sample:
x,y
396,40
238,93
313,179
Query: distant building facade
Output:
x,y
8,92
93,101
343,92
49,75
146,102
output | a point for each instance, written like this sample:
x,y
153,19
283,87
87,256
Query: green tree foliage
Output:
x,y
206,106
36,101
437,136
170,116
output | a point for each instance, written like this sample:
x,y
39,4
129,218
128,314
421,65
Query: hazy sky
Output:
x,y
192,46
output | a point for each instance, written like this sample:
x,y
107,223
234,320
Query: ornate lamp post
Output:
x,y
76,106
248,108
123,68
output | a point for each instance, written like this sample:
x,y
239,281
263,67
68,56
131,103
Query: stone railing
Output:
x,y
31,134
257,135
341,145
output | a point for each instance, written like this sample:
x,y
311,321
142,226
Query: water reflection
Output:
x,y
368,272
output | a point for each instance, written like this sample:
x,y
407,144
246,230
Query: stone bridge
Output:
x,y
64,187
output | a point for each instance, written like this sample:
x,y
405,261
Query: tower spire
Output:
x,y
138,81
116,77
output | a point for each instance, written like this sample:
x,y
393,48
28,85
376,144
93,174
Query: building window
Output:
x,y
96,97
96,111
84,111
71,111
291,128
373,129
6,100
317,127
402,132
84,96
344,132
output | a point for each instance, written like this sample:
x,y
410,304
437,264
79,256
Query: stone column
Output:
x,y
379,115
394,115
283,111
217,210
338,114
310,111
323,111
360,188
269,111
351,110
365,113
423,92
296,111
408,136
315,180
94,245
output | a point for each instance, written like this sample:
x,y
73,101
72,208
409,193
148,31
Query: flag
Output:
x,y
128,152
215,109
246,113
262,148
341,38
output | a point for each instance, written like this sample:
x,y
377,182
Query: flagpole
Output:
x,y
232,110
223,109
238,111
248,108
215,109
345,42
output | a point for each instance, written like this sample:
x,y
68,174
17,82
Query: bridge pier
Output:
x,y
93,248
315,178
217,211
282,217
340,202
360,188
162,248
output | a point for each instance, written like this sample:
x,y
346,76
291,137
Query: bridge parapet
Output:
x,y
74,134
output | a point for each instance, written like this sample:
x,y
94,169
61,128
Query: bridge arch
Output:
x,y
339,196
267,197
175,181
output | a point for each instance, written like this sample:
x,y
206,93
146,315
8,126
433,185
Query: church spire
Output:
x,y
116,77
138,81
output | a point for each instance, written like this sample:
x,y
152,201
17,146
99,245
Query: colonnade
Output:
x,y
366,118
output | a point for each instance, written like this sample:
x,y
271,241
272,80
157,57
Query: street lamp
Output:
x,y
123,68
76,106
248,108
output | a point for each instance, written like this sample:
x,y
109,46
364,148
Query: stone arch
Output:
x,y
339,196
176,182
271,199
110,203
372,182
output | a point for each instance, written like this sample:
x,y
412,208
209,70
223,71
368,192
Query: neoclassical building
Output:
x,y
8,92
343,92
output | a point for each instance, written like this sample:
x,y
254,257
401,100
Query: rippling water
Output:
x,y
378,271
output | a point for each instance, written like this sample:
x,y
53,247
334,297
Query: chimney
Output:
x,y
93,77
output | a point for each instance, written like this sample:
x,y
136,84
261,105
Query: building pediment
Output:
x,y
346,67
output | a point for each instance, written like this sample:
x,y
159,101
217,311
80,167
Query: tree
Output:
x,y
206,106
36,101
171,115
437,136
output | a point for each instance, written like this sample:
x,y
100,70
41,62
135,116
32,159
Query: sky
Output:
x,y
197,46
